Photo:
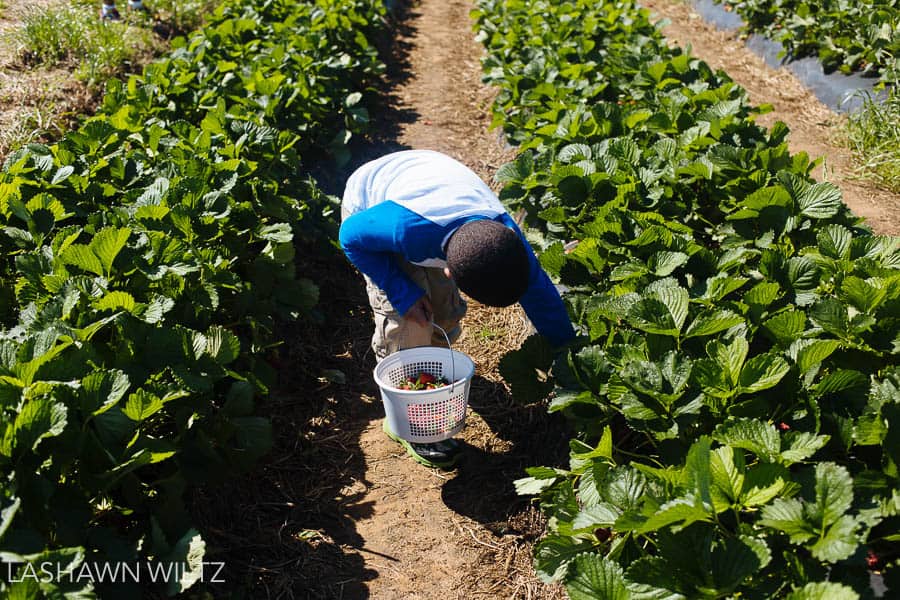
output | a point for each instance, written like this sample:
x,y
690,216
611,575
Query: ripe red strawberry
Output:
x,y
425,378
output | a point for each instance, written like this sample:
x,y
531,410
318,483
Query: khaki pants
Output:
x,y
393,332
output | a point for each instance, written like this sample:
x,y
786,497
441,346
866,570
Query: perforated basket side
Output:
x,y
442,418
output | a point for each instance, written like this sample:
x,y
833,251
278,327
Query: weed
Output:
x,y
74,36
489,333
874,134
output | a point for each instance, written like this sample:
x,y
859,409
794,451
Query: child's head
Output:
x,y
489,262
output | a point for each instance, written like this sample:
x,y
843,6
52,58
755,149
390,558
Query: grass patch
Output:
x,y
75,36
874,134
58,58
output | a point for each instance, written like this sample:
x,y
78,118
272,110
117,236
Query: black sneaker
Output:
x,y
439,455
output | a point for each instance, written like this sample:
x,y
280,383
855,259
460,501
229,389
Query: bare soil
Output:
x,y
338,510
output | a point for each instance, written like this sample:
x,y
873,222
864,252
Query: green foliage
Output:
x,y
146,260
737,381
858,35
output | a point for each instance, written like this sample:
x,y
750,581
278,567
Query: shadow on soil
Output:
x,y
288,529
483,487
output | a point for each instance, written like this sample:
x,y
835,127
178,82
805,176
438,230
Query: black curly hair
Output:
x,y
489,262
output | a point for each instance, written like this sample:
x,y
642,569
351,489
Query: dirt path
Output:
x,y
815,129
431,534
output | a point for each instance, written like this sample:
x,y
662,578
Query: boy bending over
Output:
x,y
421,226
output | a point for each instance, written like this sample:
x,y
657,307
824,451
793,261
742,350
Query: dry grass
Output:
x,y
39,105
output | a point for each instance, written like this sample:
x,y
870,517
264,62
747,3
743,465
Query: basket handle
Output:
x,y
450,349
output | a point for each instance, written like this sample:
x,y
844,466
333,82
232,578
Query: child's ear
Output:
x,y
447,272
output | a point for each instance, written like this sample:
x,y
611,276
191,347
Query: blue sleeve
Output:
x,y
541,301
372,240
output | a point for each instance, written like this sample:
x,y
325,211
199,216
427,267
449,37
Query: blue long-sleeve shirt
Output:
x,y
408,204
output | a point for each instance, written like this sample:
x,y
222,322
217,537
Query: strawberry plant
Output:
x,y
732,386
848,36
146,259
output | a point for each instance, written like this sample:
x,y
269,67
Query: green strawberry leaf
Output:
x,y
107,244
823,590
652,578
835,241
553,554
663,263
712,322
141,405
729,357
786,327
809,353
735,560
8,513
117,300
751,434
653,316
762,372
222,345
594,577
839,541
81,256
188,552
101,390
801,445
834,493
526,369
762,294
831,315
763,483
862,294
677,514
786,515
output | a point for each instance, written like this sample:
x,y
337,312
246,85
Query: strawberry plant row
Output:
x,y
145,259
736,388
863,35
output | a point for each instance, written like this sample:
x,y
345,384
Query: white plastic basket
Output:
x,y
425,416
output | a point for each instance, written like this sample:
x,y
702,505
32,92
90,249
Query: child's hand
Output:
x,y
420,312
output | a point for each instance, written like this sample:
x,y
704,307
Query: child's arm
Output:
x,y
371,242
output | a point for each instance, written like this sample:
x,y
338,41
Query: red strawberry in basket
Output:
x,y
425,378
